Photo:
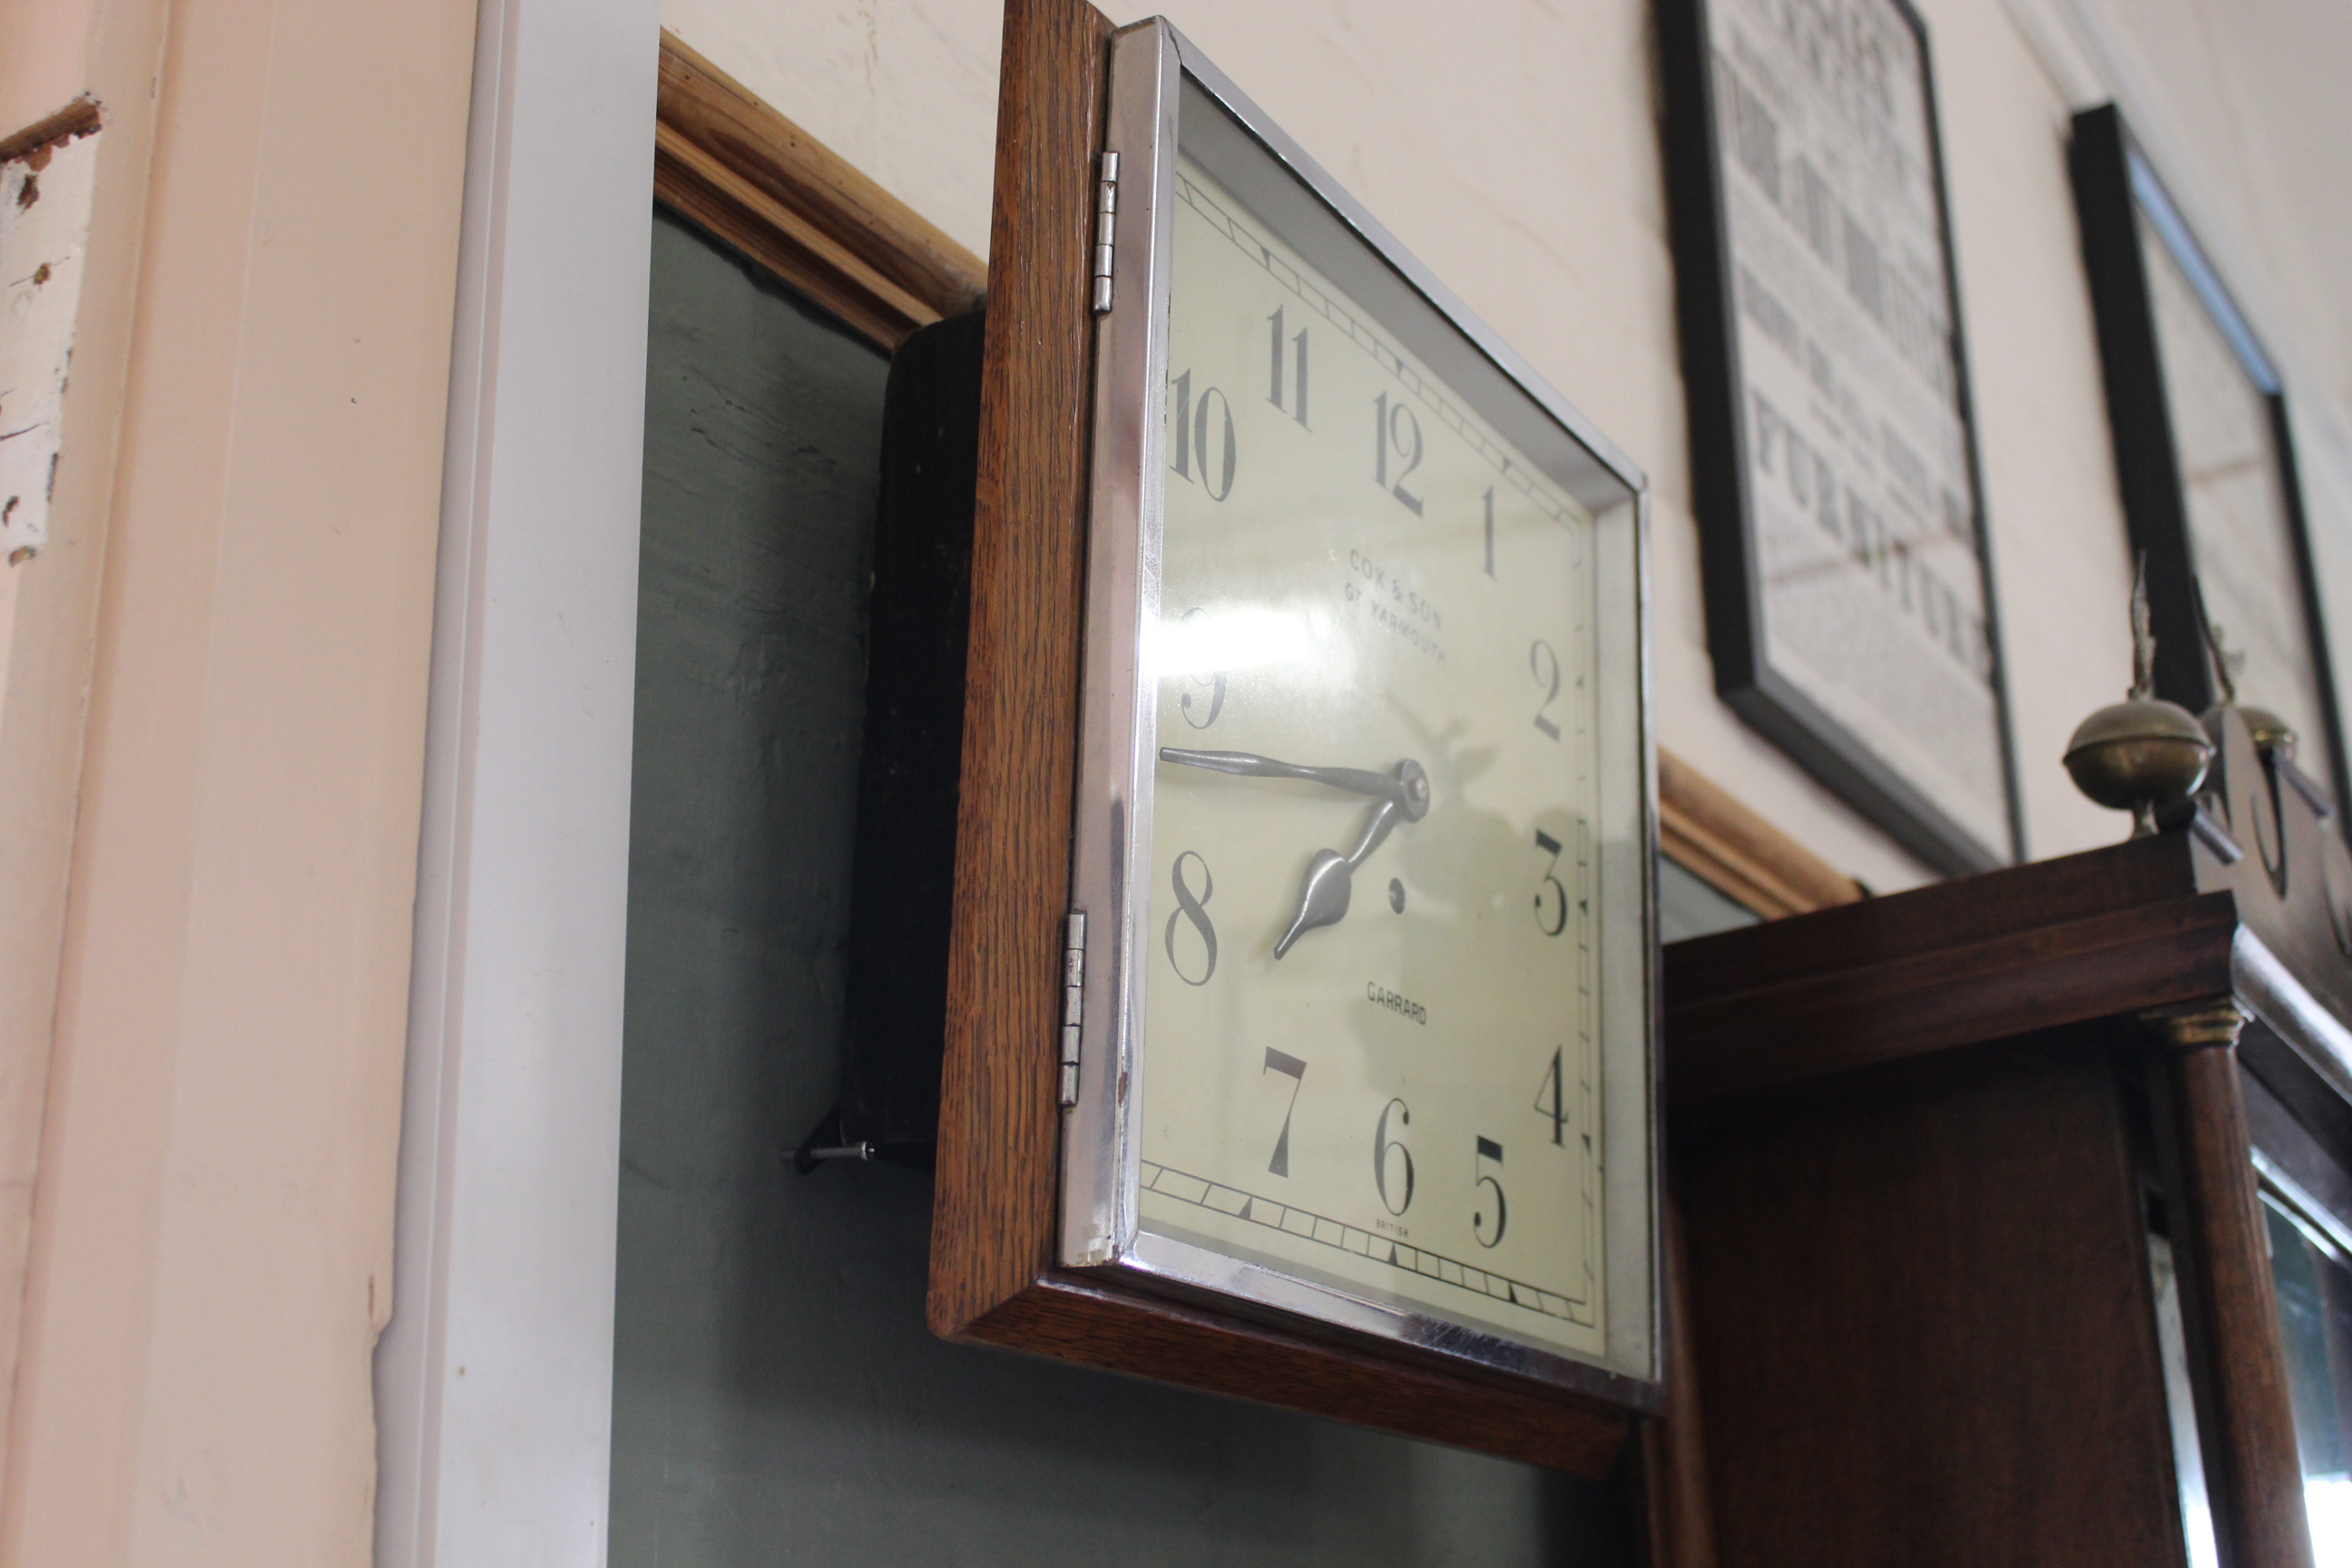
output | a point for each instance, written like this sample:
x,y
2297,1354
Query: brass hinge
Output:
x,y
1074,994
1106,216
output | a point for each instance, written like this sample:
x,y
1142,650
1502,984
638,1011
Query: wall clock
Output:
x,y
1345,1051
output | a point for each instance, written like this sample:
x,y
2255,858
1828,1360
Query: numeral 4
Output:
x,y
1551,1102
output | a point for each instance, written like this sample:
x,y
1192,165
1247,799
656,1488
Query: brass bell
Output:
x,y
2138,755
2143,752
2271,735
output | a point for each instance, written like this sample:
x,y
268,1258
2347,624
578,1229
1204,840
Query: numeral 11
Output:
x,y
1297,406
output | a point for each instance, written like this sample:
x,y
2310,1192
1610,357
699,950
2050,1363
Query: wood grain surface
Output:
x,y
730,162
1927,1329
1900,978
1677,1518
1080,1320
2237,1359
992,1230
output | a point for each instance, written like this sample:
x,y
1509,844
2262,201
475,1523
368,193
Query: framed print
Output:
x,y
2203,454
1849,608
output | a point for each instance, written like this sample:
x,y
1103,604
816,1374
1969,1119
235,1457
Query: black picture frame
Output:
x,y
2117,189
1767,696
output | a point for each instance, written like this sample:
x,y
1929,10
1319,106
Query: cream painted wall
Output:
x,y
2241,104
1519,158
59,50
212,1224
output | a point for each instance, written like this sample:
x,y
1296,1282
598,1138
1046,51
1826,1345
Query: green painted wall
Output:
x,y
777,1398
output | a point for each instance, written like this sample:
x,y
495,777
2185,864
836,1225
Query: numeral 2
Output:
x,y
1399,428
1297,1072
1544,665
1297,406
1190,425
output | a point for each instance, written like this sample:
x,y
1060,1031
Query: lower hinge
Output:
x,y
1074,994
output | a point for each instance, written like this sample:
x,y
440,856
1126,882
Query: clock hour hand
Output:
x,y
1323,896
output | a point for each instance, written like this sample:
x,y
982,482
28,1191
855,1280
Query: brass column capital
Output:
x,y
2193,1025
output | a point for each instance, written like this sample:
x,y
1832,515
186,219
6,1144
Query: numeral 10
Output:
x,y
1189,424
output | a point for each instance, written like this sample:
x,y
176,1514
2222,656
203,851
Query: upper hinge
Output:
x,y
1074,995
1106,220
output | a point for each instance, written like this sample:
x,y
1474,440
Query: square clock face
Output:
x,y
1364,820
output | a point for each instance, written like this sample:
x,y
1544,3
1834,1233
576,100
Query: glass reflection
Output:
x,y
2313,1282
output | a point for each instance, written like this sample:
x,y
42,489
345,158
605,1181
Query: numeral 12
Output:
x,y
1399,428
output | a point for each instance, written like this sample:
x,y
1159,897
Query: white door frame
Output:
x,y
494,1380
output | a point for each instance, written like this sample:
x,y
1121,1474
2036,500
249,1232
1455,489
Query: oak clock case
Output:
x,y
1362,862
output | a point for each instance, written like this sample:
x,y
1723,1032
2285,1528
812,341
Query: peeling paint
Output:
x,y
45,203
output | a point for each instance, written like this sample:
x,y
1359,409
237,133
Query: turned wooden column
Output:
x,y
2237,1359
1676,1502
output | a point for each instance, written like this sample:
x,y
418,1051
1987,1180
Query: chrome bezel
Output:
x,y
1101,1231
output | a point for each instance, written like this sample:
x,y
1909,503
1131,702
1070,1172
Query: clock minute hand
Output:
x,y
1392,788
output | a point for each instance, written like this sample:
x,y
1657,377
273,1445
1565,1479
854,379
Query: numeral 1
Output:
x,y
1490,531
1296,407
1183,387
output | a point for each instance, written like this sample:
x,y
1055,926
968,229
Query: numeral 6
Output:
x,y
1382,1147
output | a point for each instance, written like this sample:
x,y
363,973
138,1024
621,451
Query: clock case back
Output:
x,y
1161,91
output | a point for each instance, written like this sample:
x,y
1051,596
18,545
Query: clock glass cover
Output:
x,y
1365,802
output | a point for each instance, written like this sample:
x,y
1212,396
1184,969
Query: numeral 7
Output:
x,y
1277,1062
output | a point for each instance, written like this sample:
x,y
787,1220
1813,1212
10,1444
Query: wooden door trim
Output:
x,y
760,184
1706,832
